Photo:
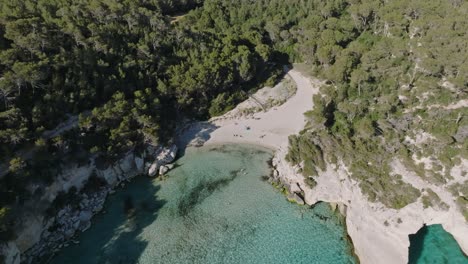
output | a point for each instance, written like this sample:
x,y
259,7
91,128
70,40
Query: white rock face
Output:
x,y
140,164
10,252
77,176
126,168
108,175
31,233
72,176
153,169
379,234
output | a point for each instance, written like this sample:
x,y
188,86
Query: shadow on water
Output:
x,y
432,244
114,236
202,191
416,244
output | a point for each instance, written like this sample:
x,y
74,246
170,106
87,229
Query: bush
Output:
x,y
310,182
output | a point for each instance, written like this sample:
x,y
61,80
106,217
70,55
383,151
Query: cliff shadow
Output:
x,y
416,244
115,234
433,244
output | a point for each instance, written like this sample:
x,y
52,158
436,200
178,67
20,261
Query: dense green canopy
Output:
x,y
129,70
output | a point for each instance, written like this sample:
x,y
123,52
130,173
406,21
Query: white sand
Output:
x,y
269,129
374,241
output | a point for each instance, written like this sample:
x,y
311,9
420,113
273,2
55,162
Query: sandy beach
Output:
x,y
379,234
268,129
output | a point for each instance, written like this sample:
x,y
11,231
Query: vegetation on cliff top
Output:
x,y
99,78
398,89
396,72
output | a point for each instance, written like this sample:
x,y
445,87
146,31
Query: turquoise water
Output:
x,y
213,208
432,244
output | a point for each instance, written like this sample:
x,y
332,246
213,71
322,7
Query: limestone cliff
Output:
x,y
379,234
35,237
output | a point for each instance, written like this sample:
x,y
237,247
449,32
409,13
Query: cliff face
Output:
x,y
379,234
40,234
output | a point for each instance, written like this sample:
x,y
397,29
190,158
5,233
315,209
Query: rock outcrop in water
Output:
x,y
41,234
164,156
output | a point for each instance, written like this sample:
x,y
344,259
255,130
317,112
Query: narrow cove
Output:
x,y
432,244
213,207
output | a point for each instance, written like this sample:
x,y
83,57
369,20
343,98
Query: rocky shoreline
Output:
x,y
296,195
379,234
60,230
42,237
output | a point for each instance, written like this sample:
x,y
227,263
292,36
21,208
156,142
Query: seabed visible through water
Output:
x,y
214,207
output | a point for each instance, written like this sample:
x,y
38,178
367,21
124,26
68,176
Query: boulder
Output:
x,y
85,216
167,155
275,173
163,170
153,169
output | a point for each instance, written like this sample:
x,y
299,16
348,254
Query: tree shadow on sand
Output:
x,y
115,235
194,135
197,133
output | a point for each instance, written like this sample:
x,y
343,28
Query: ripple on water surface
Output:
x,y
212,208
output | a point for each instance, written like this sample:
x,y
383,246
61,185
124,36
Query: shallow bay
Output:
x,y
213,207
